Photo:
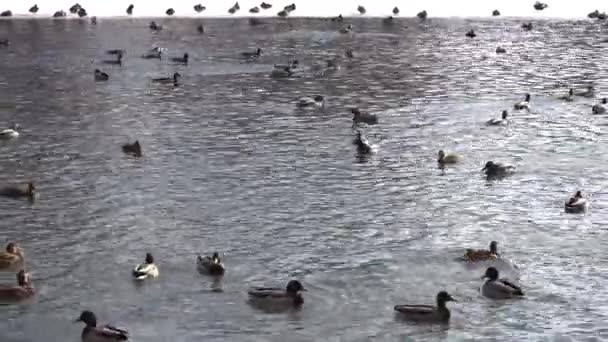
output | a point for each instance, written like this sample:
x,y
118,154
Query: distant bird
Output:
x,y
170,12
7,13
363,145
210,265
388,21
499,122
133,149
569,97
5,42
282,72
497,170
361,10
116,52
10,133
101,76
339,18
82,12
255,9
576,204
155,27
117,61
427,313
444,159
265,5
500,49
200,29
107,333
74,9
475,255
93,20
169,80
589,92
422,15
255,21
539,6
495,288
525,104
292,65
12,260
234,8
34,9
593,15
347,29
288,297
283,13
199,8
146,269
526,26
252,55
182,60
19,191
396,10
155,53
19,293
598,108
130,9
359,117
349,54
59,14
495,13
602,16
290,8
308,102
471,34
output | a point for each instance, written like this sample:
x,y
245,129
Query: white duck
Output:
x,y
495,288
146,269
10,133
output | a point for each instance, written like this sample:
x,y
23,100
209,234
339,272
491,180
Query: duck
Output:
x,y
290,8
589,93
347,29
349,54
283,14
525,104
292,65
18,191
308,102
593,15
182,60
499,122
101,76
6,13
495,13
116,52
444,159
254,9
146,270
154,26
363,145
210,265
359,117
290,296
34,9
602,16
282,72
5,42
396,10
497,170
422,15
155,53
82,12
475,255
576,204
361,10
234,8
388,20
169,80
198,8
569,97
130,9
339,18
427,313
265,5
495,288
12,260
200,29
10,133
59,14
74,9
527,26
18,293
500,49
471,34
255,21
252,55
170,12
117,61
539,6
598,108
132,149
92,333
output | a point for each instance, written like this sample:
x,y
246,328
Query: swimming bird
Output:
x,y
444,159
74,9
117,61
589,93
527,26
116,52
5,42
92,333
210,265
101,76
498,122
252,55
130,9
602,16
283,13
199,8
170,12
6,13
347,29
497,170
308,102
495,13
363,145
82,12
500,49
10,133
427,313
169,80
361,10
598,108
34,9
234,8
290,296
155,27
576,204
525,104
282,72
182,60
154,53
471,34
593,15
422,15
59,14
255,9
12,259
396,10
19,191
22,291
132,149
146,269
569,97
475,255
359,117
539,6
200,29
290,8
495,288
265,5
339,18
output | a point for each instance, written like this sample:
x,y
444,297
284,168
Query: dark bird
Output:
x,y
117,61
92,332
116,52
93,20
59,14
182,60
74,9
361,10
363,146
283,14
422,15
155,27
82,12
359,117
130,9
539,6
495,13
5,42
170,12
101,76
265,5
255,9
132,149
6,14
501,50
234,8
19,191
34,9
290,8
168,80
339,18
396,10
526,26
252,55
471,34
199,8
200,29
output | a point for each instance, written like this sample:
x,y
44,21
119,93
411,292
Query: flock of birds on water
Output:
x,y
493,287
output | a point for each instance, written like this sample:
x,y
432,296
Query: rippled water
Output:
x,y
230,165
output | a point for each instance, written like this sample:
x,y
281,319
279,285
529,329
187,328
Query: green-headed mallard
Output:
x,y
427,313
93,333
289,297
495,288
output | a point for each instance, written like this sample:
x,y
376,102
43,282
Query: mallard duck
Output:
x,y
427,313
170,12
475,255
34,9
133,149
117,61
82,12
6,13
283,14
359,117
12,260
10,133
308,102
363,145
154,53
495,13
388,20
18,293
339,18
422,15
497,170
74,9
500,49
576,204
210,265
18,191
290,8
471,34
130,9
361,10
593,15
396,10
598,108
447,158
146,269
265,5
527,26
292,65
101,76
498,122
168,80
569,97
495,288
92,333
525,104
154,26
234,8
198,8
539,6
5,42
182,60
59,14
347,29
254,10
590,92
252,55
290,296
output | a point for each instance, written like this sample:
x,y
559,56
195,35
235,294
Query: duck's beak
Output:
x,y
453,299
484,168
77,320
303,289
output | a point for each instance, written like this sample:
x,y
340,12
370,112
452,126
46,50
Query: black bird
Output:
x,y
422,15
339,18
361,10
539,6
471,34
255,9
199,8
182,60
116,52
34,9
265,5
290,8
93,20
496,13
59,14
155,27
5,42
117,61
168,80
6,14
200,29
101,76
234,8
396,10
283,14
130,9
363,146
527,26
255,54
82,12
170,11
132,149
74,9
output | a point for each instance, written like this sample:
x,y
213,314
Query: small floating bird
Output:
x,y
495,288
444,159
282,72
255,9
182,60
7,13
21,292
155,53
200,29
5,42
290,8
569,97
252,55
497,170
363,145
602,16
19,191
500,49
170,12
291,296
10,133
130,9
155,27
169,80
132,149
82,12
471,34
598,108
361,10
283,14
396,10
539,6
576,204
359,117
117,61
427,313
265,5
499,122
525,104
527,26
308,102
495,13
347,29
388,21
422,15
475,255
210,265
74,9
339,18
199,8
589,93
12,260
34,9
93,20
234,8
116,52
146,270
107,333
101,76
59,14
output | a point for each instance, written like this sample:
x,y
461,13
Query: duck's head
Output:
x,y
31,188
12,248
504,114
494,247
443,297
23,278
176,76
571,92
491,273
258,51
527,97
356,113
578,194
489,166
295,63
294,287
215,258
149,258
441,154
319,98
604,100
88,318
